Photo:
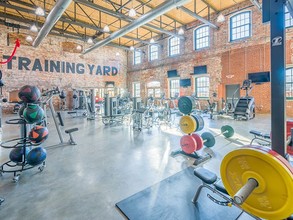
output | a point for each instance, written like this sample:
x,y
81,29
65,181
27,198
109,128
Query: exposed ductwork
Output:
x,y
187,11
51,20
161,9
125,17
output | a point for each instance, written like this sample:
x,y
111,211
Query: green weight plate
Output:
x,y
186,104
227,131
208,139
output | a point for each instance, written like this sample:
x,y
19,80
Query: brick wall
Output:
x,y
223,59
54,48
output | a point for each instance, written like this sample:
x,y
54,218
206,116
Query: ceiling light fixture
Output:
x,y
34,28
106,29
221,17
78,47
40,12
152,41
132,12
131,48
90,40
29,39
181,31
117,54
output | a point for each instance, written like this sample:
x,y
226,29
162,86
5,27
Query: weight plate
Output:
x,y
198,140
187,124
186,104
188,144
200,122
208,139
273,197
227,131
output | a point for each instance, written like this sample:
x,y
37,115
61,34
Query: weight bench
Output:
x,y
212,183
260,136
69,131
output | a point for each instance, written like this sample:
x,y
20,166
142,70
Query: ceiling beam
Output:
x,y
151,7
209,5
195,15
257,4
161,9
125,17
69,21
51,20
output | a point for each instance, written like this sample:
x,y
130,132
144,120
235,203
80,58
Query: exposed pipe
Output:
x,y
125,17
191,13
257,4
51,20
161,9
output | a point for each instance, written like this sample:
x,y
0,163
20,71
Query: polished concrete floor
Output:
x,y
108,164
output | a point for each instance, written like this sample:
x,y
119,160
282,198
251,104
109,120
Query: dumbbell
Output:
x,y
195,142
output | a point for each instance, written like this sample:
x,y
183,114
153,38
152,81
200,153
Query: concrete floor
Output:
x,y
108,164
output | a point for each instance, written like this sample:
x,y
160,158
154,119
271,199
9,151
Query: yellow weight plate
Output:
x,y
273,198
187,124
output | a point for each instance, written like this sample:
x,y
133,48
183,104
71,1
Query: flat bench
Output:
x,y
260,136
211,182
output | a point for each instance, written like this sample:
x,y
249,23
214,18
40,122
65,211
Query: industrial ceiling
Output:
x,y
83,19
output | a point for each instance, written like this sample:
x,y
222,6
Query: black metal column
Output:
x,y
278,96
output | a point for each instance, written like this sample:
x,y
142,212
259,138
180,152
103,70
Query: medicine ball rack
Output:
x,y
17,167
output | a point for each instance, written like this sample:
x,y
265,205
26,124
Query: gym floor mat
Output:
x,y
171,198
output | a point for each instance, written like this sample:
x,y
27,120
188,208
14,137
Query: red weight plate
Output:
x,y
199,141
188,144
290,150
274,154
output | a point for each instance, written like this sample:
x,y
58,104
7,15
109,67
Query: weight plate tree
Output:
x,y
260,180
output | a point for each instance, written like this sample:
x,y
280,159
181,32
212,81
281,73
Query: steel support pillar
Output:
x,y
278,73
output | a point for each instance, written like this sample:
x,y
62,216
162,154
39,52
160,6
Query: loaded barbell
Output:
x,y
191,123
260,180
195,142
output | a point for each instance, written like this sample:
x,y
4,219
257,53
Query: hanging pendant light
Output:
x,y
152,41
90,40
34,28
181,31
131,48
106,29
29,39
78,47
132,12
40,11
221,17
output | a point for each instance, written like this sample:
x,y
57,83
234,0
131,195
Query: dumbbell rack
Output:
x,y
17,167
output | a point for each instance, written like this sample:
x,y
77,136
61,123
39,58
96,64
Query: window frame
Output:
x,y
169,47
289,97
134,89
194,37
169,86
134,57
290,18
150,52
250,25
196,87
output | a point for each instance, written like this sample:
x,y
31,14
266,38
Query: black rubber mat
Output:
x,y
171,198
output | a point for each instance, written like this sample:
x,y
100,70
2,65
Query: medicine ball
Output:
x,y
74,96
16,154
36,156
62,95
29,94
33,113
38,134
4,100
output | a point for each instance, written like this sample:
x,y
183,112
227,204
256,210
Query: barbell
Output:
x,y
195,142
259,180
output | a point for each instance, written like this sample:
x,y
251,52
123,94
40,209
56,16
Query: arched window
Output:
x,y
202,37
240,26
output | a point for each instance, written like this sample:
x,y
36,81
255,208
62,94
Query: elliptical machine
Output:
x,y
245,106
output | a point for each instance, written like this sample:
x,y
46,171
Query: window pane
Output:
x,y
136,89
174,87
240,25
137,57
202,87
174,46
289,83
154,52
288,18
202,37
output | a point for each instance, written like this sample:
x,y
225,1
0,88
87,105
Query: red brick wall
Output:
x,y
52,48
223,58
